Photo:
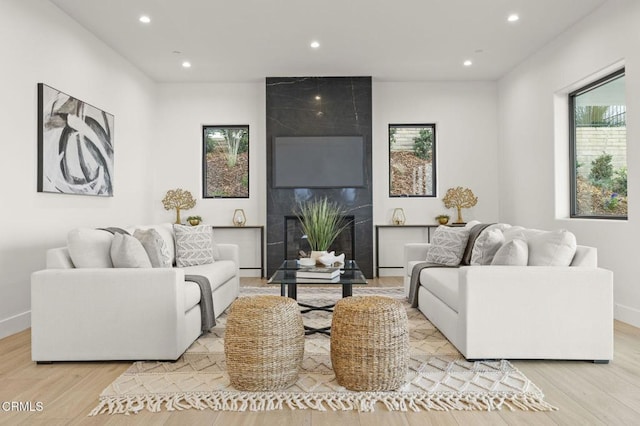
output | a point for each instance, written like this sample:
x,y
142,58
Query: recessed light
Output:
x,y
186,64
513,17
318,97
315,44
145,19
467,63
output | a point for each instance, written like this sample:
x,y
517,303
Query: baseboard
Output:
x,y
627,314
15,324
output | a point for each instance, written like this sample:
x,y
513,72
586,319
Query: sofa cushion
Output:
x,y
128,252
553,248
443,283
447,245
191,295
90,248
194,245
218,273
486,246
512,253
155,246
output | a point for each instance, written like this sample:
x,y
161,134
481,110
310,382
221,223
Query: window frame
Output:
x,y
434,180
572,145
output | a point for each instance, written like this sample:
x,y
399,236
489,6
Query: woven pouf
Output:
x,y
370,343
263,343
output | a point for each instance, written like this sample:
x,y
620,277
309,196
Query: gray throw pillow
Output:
x,y
155,247
127,252
194,245
447,245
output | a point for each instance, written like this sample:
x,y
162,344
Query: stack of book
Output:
x,y
318,274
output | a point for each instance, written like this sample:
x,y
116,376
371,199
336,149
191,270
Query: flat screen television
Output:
x,y
318,162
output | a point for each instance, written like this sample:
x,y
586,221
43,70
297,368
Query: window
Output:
x,y
225,165
598,132
412,160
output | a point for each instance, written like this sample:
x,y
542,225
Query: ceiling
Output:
x,y
400,40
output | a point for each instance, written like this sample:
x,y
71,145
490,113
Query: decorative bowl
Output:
x,y
306,261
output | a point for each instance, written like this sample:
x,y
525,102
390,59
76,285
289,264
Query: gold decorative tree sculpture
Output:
x,y
460,198
178,199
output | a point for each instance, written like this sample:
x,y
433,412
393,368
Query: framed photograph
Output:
x,y
412,160
225,162
75,145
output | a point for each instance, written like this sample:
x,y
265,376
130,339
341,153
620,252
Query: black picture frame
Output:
x,y
225,167
405,158
75,145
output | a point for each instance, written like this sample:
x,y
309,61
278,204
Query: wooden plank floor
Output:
x,y
587,394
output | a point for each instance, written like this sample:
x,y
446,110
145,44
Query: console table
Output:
x,y
428,227
255,227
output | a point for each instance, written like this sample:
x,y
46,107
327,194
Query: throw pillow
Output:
x,y
447,245
514,232
512,253
194,245
128,252
553,248
89,248
486,246
155,247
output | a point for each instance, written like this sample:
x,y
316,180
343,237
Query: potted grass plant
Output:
x,y
321,221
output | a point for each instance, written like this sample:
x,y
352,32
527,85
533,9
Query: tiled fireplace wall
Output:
x,y
320,106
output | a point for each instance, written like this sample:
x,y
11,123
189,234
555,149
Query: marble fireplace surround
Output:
x,y
320,106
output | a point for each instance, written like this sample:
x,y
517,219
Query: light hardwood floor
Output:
x,y
585,393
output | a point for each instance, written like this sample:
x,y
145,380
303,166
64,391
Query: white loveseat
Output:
x,y
109,313
519,312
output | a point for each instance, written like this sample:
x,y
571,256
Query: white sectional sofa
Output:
x,y
99,312
519,312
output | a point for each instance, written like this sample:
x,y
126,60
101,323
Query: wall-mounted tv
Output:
x,y
318,162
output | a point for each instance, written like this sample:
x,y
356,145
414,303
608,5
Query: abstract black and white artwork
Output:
x,y
75,145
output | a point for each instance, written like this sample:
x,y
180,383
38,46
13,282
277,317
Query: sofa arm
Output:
x,y
107,313
536,312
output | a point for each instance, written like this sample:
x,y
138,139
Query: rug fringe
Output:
x,y
361,401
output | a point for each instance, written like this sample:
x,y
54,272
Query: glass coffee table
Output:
x,y
285,276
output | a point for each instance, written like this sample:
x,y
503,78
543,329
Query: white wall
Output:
x,y
41,44
533,145
465,114
183,110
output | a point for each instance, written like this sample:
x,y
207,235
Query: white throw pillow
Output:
x,y
553,248
89,248
512,253
128,252
155,247
486,246
514,232
194,245
447,245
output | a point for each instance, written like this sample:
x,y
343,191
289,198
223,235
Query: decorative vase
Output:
x,y
443,220
194,222
398,217
239,219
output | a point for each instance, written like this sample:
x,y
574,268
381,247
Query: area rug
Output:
x,y
439,378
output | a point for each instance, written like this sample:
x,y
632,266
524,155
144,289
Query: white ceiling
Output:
x,y
401,40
